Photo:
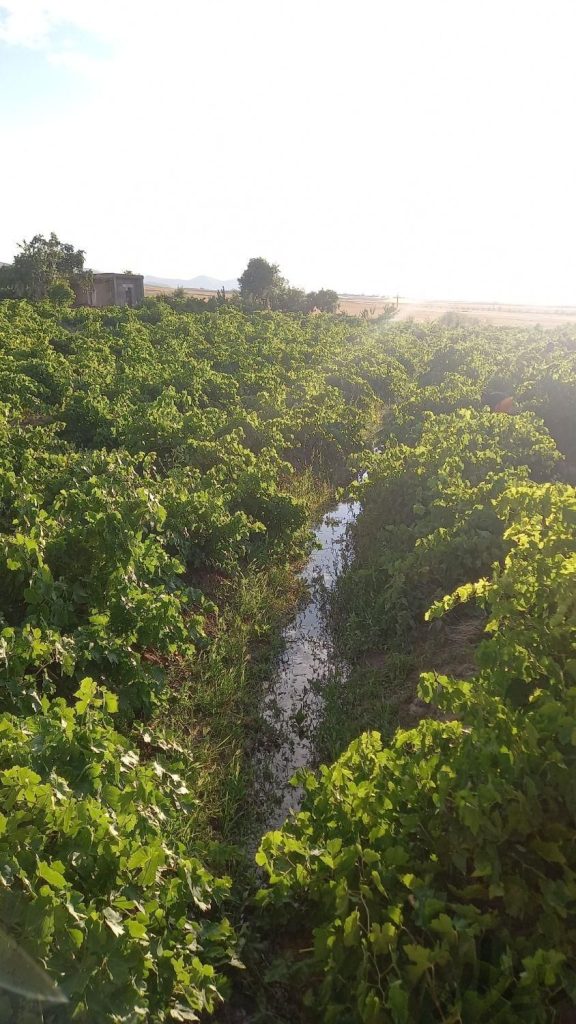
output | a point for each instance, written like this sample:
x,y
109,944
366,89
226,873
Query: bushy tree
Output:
x,y
60,293
182,302
290,300
325,300
39,264
7,282
259,282
262,287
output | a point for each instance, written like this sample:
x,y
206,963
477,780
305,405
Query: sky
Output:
x,y
419,147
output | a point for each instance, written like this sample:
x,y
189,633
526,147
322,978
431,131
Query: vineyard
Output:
x,y
159,475
434,863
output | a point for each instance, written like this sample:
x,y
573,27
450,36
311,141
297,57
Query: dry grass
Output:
x,y
494,313
196,293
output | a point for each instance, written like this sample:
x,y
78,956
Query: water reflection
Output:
x,y
293,704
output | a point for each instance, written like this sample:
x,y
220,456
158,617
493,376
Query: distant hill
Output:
x,y
201,283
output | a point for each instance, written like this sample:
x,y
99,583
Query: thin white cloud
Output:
x,y
25,23
34,23
39,24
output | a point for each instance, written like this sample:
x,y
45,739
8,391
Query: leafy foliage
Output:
x,y
140,452
259,281
41,269
440,873
88,881
325,300
262,287
431,875
428,520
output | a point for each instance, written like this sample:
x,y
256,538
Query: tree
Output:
x,y
259,282
325,300
42,262
61,294
7,282
262,287
289,300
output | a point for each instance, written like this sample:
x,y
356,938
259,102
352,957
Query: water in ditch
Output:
x,y
294,699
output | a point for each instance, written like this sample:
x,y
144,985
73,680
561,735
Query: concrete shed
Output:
x,y
115,290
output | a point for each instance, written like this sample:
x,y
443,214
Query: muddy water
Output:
x,y
293,703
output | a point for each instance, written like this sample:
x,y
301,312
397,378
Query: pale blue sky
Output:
x,y
419,146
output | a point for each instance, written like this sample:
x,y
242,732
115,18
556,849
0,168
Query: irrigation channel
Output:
x,y
294,699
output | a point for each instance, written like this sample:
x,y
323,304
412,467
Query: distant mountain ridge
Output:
x,y
201,283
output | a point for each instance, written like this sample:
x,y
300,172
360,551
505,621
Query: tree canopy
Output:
x,y
325,300
259,282
263,287
40,264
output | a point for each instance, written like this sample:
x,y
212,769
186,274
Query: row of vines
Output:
x,y
142,454
432,869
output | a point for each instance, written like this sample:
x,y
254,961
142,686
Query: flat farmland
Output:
x,y
494,313
425,310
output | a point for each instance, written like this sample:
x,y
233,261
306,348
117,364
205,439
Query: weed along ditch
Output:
x,y
293,702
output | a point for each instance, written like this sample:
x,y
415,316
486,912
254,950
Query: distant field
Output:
x,y
157,289
547,316
410,309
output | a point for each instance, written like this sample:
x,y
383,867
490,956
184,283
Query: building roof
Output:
x,y
114,274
